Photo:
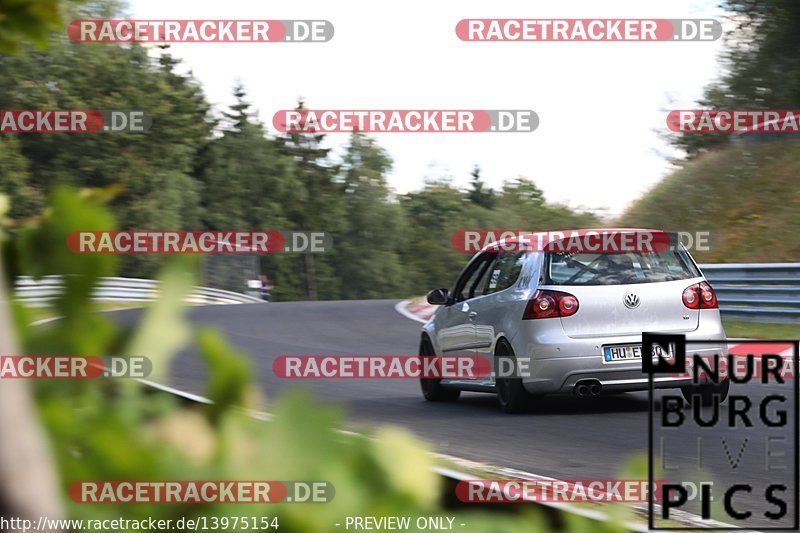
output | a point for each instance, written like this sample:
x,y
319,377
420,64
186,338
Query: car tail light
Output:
x,y
690,297
708,299
700,296
550,304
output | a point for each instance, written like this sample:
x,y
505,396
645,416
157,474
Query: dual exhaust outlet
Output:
x,y
587,387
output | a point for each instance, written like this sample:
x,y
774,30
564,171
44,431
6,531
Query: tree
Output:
x,y
315,205
434,214
367,258
523,205
761,66
478,194
245,182
15,180
153,170
245,177
523,194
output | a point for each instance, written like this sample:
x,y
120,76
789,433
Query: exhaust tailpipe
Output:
x,y
587,387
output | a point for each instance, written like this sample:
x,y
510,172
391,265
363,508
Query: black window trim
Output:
x,y
468,272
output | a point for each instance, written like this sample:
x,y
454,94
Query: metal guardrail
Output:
x,y
751,292
41,291
757,292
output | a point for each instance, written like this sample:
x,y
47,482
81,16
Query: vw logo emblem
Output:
x,y
630,300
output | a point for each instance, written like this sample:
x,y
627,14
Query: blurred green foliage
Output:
x,y
27,20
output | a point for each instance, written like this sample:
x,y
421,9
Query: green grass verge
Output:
x,y
757,330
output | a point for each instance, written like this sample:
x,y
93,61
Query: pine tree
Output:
x,y
478,194
315,203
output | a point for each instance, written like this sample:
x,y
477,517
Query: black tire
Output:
x,y
511,394
707,393
432,389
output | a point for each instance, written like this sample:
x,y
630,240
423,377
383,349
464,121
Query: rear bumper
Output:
x,y
558,362
560,375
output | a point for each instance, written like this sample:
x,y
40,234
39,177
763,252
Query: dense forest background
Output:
x,y
199,169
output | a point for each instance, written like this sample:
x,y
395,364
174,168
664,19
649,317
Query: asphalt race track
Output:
x,y
564,437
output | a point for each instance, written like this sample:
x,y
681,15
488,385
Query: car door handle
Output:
x,y
472,315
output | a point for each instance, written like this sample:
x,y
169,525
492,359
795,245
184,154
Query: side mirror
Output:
x,y
437,297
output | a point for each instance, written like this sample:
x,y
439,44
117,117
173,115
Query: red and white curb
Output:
x,y
416,309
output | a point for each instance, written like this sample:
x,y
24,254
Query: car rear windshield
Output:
x,y
618,268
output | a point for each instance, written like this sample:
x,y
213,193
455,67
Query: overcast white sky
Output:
x,y
601,105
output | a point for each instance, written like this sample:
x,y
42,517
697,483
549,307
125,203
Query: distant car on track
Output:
x,y
575,317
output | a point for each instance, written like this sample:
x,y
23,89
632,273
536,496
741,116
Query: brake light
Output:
x,y
690,297
550,304
700,296
708,298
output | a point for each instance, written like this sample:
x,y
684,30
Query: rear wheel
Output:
x,y
707,393
432,389
511,394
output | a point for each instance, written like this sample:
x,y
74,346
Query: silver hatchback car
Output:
x,y
572,320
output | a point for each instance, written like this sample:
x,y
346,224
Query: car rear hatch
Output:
x,y
624,292
603,310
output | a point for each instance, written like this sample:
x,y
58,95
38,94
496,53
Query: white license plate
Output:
x,y
630,352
